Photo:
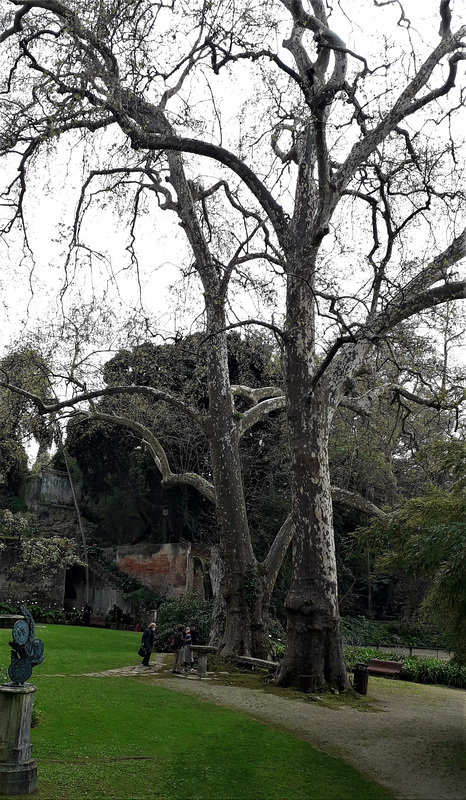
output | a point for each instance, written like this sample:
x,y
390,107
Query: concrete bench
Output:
x,y
378,666
202,651
8,620
252,663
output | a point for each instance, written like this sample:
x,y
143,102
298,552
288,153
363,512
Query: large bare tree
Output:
x,y
294,147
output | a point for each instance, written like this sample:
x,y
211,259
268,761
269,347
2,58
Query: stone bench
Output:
x,y
377,666
8,620
202,651
252,663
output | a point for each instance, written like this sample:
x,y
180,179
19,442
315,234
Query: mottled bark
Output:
x,y
245,628
313,620
313,639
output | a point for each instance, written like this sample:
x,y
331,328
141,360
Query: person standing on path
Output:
x,y
87,611
178,648
193,641
147,642
188,656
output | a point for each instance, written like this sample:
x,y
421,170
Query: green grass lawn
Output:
x,y
123,738
70,649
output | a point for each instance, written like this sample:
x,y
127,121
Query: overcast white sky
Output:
x,y
30,295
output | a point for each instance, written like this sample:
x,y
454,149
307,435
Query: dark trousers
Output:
x,y
145,660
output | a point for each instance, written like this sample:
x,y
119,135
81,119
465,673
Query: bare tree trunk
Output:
x,y
245,627
313,620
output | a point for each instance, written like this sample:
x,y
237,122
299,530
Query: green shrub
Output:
x,y
279,649
143,599
278,635
5,608
36,717
276,630
37,612
431,670
186,611
16,504
363,631
53,617
415,668
355,655
74,618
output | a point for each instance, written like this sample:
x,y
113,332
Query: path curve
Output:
x,y
411,741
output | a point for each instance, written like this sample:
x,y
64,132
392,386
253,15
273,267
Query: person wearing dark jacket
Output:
x,y
178,648
193,635
193,641
87,611
147,642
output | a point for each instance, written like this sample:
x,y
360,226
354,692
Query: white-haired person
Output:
x,y
147,643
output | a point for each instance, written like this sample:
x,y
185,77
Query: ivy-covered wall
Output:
x,y
47,487
28,588
171,570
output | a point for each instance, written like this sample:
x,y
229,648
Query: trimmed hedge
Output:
x,y
415,668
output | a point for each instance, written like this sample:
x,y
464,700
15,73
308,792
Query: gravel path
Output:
x,y
411,740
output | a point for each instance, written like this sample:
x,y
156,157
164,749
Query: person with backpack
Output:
x,y
178,642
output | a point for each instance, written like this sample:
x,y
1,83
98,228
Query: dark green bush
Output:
x,y
16,504
279,649
36,717
5,608
276,630
142,600
74,618
278,635
367,632
53,617
37,612
186,611
431,670
415,668
355,655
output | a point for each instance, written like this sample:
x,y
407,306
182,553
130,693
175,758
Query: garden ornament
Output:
x,y
26,651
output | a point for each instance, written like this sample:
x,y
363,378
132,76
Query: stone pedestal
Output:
x,y
202,653
18,771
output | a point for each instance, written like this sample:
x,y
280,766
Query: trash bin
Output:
x,y
306,683
361,678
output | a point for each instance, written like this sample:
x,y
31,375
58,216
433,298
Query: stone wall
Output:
x,y
47,593
104,593
169,569
163,568
48,487
49,499
55,521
